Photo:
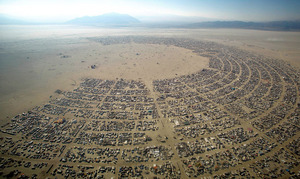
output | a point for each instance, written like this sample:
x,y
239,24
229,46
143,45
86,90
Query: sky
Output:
x,y
63,10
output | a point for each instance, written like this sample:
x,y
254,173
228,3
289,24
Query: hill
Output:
x,y
274,25
7,20
110,19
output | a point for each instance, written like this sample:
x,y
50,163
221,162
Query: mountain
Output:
x,y
109,19
7,20
161,21
170,18
274,25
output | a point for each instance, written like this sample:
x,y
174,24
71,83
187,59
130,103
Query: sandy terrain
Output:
x,y
41,73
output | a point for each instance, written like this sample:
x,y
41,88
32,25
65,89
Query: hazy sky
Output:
x,y
62,10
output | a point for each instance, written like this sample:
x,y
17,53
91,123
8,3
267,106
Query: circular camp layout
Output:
x,y
238,117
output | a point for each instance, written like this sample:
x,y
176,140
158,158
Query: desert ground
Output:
x,y
39,65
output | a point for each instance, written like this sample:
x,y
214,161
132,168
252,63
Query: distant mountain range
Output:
x,y
274,25
167,21
110,19
6,20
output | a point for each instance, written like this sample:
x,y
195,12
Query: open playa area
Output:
x,y
91,102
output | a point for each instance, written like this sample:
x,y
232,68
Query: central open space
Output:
x,y
146,62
